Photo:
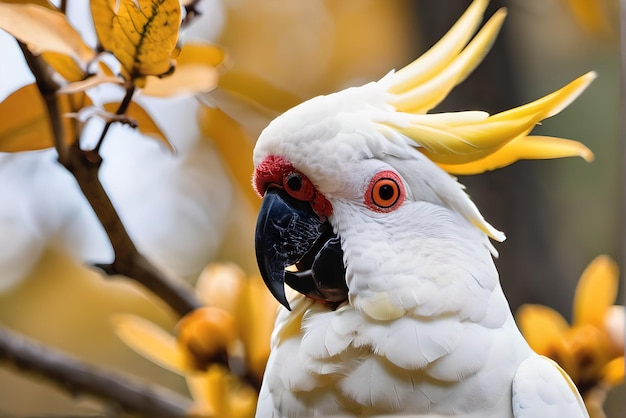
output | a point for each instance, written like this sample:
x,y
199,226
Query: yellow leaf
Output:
x,y
27,128
234,145
43,3
24,120
217,393
103,14
256,317
195,72
613,372
151,341
541,326
145,123
44,30
64,65
142,34
257,90
596,291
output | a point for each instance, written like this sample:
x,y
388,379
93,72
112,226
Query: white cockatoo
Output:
x,y
398,309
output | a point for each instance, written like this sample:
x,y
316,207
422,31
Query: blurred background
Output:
x,y
196,207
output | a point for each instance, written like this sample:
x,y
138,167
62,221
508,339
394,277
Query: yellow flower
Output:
x,y
591,350
233,327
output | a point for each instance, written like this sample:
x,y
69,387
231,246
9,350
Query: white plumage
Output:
x,y
426,330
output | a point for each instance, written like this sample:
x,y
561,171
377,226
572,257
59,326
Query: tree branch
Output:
x,y
191,12
48,88
84,165
81,378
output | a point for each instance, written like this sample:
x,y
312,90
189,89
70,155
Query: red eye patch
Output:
x,y
277,171
269,171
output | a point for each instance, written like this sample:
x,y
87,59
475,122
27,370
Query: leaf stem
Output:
x,y
84,165
78,377
128,97
191,12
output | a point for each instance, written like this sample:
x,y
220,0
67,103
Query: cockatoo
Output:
x,y
396,306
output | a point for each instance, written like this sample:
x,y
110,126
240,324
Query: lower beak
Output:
x,y
289,233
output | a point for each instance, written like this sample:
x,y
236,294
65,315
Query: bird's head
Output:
x,y
359,180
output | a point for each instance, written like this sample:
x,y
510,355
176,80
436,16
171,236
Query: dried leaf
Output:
x,y
43,3
142,34
64,65
28,128
88,112
195,72
103,14
145,124
91,82
44,30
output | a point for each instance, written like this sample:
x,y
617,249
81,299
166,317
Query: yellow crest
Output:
x,y
472,142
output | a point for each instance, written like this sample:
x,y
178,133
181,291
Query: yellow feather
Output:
x,y
472,137
437,57
425,93
523,148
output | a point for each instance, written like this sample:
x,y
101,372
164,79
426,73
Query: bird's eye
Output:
x,y
298,186
385,192
294,182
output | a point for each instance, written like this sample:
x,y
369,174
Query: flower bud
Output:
x,y
205,335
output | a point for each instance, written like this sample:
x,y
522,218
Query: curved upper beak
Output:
x,y
290,233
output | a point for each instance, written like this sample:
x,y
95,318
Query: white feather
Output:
x,y
542,389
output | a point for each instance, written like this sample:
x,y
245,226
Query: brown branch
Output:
x,y
48,88
84,165
128,97
191,12
80,378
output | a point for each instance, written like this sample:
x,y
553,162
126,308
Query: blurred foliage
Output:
x,y
274,54
591,351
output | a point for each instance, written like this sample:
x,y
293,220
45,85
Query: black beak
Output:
x,y
290,233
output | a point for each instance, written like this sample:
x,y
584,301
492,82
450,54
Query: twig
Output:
x,y
84,165
48,88
191,12
80,378
128,97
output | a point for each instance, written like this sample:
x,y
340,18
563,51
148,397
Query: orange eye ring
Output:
x,y
385,192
